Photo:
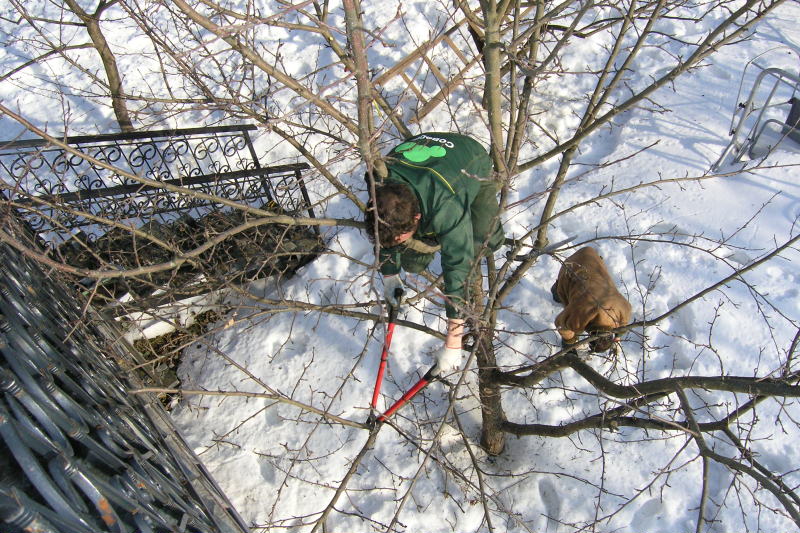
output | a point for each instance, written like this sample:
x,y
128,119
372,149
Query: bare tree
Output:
x,y
92,23
51,24
336,111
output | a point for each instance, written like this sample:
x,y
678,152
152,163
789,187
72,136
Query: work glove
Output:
x,y
393,290
448,360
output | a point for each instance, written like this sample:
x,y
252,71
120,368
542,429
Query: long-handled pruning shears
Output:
x,y
393,309
430,376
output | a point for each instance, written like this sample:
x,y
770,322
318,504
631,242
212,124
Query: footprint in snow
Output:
x,y
648,515
552,504
670,232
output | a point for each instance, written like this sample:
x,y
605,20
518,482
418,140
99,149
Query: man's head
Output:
x,y
397,213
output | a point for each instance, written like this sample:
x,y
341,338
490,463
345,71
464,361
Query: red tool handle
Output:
x,y
382,366
393,309
413,391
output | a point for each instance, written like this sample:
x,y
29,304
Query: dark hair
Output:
x,y
397,207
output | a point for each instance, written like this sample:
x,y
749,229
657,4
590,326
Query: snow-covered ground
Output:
x,y
280,466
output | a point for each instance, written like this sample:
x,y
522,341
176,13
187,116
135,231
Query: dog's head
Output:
x,y
603,343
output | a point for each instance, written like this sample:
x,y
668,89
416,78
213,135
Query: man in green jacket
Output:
x,y
439,191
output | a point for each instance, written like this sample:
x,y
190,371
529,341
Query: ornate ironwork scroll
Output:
x,y
78,453
58,191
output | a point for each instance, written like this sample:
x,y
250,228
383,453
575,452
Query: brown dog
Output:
x,y
591,301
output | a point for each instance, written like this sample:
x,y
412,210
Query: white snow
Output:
x,y
280,466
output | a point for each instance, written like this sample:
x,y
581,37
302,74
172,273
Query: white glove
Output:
x,y
448,360
390,286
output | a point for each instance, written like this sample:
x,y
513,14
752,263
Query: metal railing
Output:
x,y
92,182
78,452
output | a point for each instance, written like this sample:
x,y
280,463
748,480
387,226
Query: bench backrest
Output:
x,y
58,192
768,116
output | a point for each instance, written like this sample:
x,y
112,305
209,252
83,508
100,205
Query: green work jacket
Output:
x,y
443,170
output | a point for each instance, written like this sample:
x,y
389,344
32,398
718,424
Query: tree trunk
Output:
x,y
493,438
355,37
492,97
92,23
113,75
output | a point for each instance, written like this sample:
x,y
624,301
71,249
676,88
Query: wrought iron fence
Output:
x,y
78,452
93,183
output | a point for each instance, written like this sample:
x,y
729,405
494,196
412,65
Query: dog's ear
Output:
x,y
574,319
554,292
566,333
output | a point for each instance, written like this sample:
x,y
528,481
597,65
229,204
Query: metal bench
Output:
x,y
84,204
768,118
58,192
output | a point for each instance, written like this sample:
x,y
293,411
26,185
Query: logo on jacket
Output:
x,y
417,153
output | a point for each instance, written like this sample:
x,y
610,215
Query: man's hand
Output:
x,y
449,357
448,360
390,292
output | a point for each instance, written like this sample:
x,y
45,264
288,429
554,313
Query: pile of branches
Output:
x,y
256,252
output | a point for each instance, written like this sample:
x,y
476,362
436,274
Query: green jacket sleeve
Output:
x,y
453,226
